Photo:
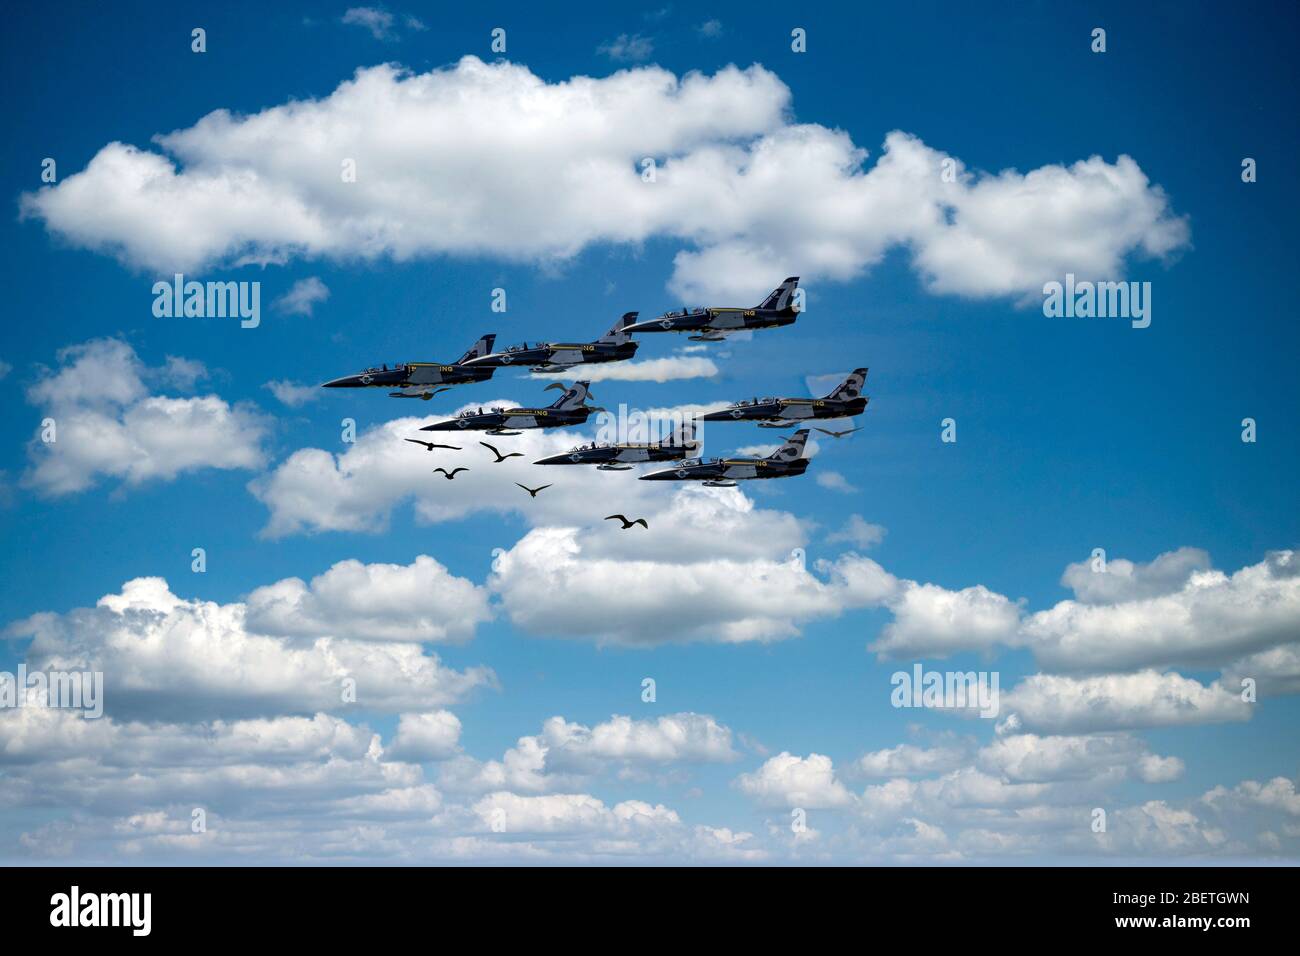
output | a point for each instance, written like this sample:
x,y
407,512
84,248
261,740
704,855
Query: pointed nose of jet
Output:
x,y
371,376
722,416
347,381
668,475
555,460
491,360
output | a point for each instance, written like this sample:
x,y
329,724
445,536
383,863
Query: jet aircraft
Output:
x,y
713,323
844,402
725,472
614,346
568,409
622,456
422,379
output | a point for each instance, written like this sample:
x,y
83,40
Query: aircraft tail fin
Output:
x,y
616,335
780,298
683,434
851,387
482,347
573,397
793,447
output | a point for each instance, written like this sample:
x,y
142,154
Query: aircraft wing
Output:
x,y
740,469
566,357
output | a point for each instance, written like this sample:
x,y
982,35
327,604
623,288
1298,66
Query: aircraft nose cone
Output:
x,y
483,361
347,381
717,417
553,460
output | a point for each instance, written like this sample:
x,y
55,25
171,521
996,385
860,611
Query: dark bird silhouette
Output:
x,y
532,491
431,445
847,431
449,475
501,457
627,524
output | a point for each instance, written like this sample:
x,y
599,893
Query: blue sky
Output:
x,y
1073,434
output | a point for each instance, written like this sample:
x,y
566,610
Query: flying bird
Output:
x,y
431,445
627,524
449,475
532,491
501,457
847,431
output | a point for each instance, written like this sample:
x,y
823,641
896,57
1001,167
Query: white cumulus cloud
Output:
x,y
1172,612
418,602
490,159
787,781
166,655
105,422
421,737
1068,705
303,296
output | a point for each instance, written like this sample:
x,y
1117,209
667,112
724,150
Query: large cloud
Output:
x,y
549,585
418,602
1196,617
431,736
1174,611
788,780
1275,671
107,424
1028,758
909,760
490,159
318,788
1278,794
35,732
259,767
566,753
933,621
164,655
567,813
1031,758
1056,704
1097,581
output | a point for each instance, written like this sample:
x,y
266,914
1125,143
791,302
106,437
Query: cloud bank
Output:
x,y
480,159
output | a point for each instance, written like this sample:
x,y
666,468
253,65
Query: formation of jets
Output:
x,y
713,323
681,449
